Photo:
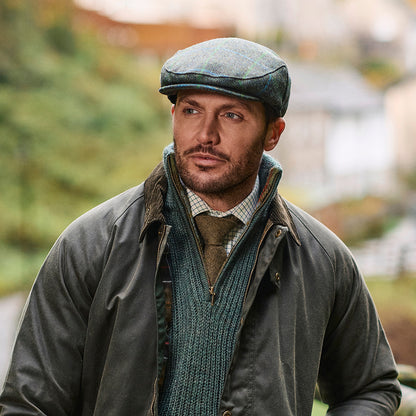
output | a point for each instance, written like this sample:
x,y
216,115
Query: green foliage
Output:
x,y
394,297
79,123
357,220
379,71
410,179
61,38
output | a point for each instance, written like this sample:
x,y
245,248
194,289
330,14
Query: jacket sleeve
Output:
x,y
357,373
45,371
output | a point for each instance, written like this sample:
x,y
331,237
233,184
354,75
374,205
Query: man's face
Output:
x,y
219,141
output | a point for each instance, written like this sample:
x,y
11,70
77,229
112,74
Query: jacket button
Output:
x,y
226,413
278,232
277,277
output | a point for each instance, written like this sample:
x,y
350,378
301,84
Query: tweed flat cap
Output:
x,y
229,66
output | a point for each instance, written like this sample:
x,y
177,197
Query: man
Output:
x,y
152,304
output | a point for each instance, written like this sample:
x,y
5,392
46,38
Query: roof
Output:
x,y
338,89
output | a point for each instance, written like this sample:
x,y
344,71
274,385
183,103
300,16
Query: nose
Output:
x,y
209,133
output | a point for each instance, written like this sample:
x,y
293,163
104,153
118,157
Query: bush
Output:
x,y
79,123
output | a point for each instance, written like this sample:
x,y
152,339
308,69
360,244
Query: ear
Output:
x,y
172,110
274,130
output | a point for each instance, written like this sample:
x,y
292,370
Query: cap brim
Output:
x,y
174,89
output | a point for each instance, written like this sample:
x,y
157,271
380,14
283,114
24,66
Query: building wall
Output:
x,y
301,149
401,109
329,156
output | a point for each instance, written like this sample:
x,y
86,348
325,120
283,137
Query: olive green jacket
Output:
x,y
93,330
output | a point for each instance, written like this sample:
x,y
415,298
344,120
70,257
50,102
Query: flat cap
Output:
x,y
230,66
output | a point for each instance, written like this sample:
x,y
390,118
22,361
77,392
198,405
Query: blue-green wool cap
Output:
x,y
230,66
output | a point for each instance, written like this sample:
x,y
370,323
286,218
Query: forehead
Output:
x,y
214,99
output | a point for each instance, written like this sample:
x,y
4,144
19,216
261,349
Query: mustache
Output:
x,y
208,150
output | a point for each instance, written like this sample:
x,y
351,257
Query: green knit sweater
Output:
x,y
203,336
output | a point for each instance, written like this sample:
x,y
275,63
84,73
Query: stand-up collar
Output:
x,y
156,184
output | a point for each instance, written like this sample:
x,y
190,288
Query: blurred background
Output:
x,y
81,120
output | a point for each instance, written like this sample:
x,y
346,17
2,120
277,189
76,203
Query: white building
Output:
x,y
337,141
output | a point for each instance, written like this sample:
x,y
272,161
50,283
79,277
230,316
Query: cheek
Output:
x,y
182,132
178,137
252,141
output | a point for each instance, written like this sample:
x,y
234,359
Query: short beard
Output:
x,y
237,176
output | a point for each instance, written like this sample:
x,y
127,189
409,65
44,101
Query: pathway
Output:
x,y
10,310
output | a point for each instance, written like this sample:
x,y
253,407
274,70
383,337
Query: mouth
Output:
x,y
206,159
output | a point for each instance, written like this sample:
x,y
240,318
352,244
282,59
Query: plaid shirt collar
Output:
x,y
243,211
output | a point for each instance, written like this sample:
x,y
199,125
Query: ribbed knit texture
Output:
x,y
203,336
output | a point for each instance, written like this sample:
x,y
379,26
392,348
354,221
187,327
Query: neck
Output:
x,y
224,201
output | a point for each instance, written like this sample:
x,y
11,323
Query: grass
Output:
x,y
395,301
394,297
319,408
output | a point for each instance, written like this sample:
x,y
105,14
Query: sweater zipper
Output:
x,y
258,208
189,216
268,226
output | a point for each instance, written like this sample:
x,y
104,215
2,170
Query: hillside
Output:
x,y
79,122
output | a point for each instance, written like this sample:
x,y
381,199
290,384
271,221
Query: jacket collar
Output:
x,y
155,188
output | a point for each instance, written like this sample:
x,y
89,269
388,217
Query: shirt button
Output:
x,y
226,413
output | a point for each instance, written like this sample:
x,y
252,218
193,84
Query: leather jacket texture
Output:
x,y
91,338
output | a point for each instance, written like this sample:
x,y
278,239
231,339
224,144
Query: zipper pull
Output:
x,y
212,293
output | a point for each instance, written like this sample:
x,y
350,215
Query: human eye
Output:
x,y
233,116
190,111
